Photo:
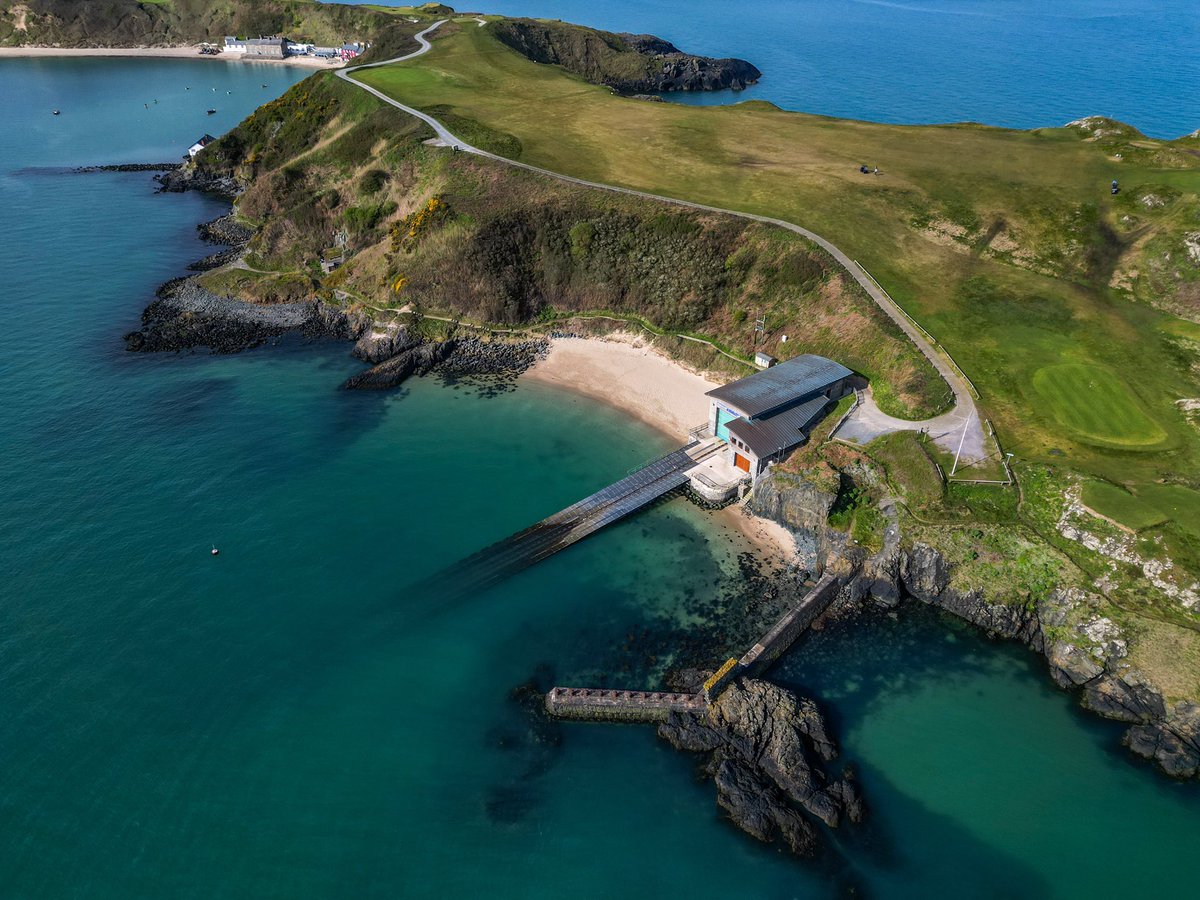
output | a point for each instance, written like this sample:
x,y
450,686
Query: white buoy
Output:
x,y
215,551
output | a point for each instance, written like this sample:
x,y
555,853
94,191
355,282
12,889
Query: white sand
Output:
x,y
305,62
623,371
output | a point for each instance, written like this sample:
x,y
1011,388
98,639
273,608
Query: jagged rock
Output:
x,y
1091,664
794,504
418,360
1071,666
1174,743
341,323
759,809
767,746
382,342
1127,697
190,179
187,316
924,573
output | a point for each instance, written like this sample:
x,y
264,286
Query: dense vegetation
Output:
x,y
460,236
121,23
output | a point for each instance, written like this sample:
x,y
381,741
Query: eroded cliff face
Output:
x,y
1085,651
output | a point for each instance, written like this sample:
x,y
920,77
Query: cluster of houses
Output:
x,y
279,48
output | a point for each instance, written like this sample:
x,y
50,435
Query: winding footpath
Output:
x,y
958,431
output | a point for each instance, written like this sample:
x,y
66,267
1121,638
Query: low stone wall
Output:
x,y
772,645
599,705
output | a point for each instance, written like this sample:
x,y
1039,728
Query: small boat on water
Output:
x,y
57,113
212,112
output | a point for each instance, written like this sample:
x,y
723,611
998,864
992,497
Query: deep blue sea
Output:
x,y
1015,63
292,719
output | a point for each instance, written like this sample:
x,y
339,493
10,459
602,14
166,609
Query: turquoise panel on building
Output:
x,y
724,417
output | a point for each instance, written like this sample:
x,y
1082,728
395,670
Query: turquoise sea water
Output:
x,y
1016,63
290,719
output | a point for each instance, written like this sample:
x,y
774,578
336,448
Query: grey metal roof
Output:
x,y
780,431
787,382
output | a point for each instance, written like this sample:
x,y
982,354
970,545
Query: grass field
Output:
x,y
1181,504
1120,505
1096,405
1002,243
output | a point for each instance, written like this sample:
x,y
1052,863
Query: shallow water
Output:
x,y
1015,63
289,719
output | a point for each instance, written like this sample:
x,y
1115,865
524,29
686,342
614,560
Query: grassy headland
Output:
x,y
455,235
1007,245
1073,310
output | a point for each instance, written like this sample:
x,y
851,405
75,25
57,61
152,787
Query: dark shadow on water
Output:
x,y
530,743
873,854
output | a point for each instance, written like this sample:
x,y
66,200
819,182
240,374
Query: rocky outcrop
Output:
x,y
765,751
227,231
418,360
1173,743
1087,657
457,357
190,179
628,63
186,316
383,341
797,505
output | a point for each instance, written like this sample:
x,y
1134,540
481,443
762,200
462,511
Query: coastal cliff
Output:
x,y
628,63
1086,652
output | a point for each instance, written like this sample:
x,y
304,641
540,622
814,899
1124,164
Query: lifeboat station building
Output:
x,y
765,416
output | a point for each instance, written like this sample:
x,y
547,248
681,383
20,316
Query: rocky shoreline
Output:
x,y
1169,735
186,316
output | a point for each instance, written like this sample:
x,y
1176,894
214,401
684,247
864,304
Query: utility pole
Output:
x,y
760,327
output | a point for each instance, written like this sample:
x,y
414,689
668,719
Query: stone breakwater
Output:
x,y
1092,664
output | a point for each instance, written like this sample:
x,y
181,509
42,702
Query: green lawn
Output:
x,y
1120,505
1096,404
1006,307
1181,504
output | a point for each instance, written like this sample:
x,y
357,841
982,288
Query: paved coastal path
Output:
x,y
959,430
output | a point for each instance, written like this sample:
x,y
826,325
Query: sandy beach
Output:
x,y
626,372
303,62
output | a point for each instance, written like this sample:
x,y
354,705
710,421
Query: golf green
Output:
x,y
1097,406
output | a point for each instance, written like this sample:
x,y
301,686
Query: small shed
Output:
x,y
764,360
199,145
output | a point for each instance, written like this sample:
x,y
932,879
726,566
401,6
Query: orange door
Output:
x,y
741,462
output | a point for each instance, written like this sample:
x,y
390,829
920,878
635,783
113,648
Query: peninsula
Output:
x,y
1020,306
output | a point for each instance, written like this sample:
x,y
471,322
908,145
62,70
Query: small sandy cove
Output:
x,y
304,62
625,372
